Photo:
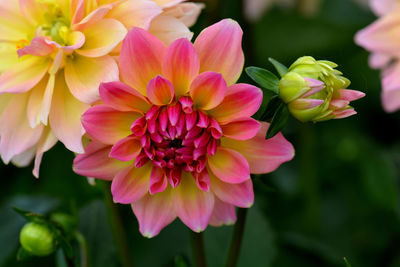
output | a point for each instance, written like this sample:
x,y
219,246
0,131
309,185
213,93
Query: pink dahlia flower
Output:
x,y
176,139
54,54
382,39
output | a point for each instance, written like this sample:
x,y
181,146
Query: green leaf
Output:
x,y
280,68
347,263
279,121
31,216
264,78
272,106
22,254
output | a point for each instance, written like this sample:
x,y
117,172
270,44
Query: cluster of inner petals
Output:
x,y
177,138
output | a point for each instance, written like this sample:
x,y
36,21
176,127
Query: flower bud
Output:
x,y
37,239
315,91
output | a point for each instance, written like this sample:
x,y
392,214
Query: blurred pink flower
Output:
x,y
382,39
382,7
176,138
54,54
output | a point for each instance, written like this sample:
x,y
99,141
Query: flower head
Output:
x,y
315,91
176,138
54,56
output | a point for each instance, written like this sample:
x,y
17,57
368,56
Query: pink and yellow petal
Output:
x,y
140,59
220,50
160,91
126,149
168,29
84,75
102,38
208,90
185,12
223,214
13,24
107,124
135,13
192,205
241,129
241,101
16,136
24,75
46,141
131,184
240,195
181,65
95,162
154,212
264,156
122,97
65,116
229,166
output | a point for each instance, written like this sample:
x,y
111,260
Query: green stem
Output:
x,y
237,237
308,175
117,228
83,249
198,251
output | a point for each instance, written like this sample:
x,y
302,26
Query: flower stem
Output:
x,y
237,237
117,228
198,251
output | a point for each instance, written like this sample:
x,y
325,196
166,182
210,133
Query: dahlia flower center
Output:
x,y
176,137
56,26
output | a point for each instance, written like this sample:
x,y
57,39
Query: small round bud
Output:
x,y
37,239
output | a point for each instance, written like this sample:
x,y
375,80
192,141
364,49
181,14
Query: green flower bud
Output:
x,y
315,91
66,221
37,239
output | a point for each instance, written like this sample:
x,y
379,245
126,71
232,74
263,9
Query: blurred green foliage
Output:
x,y
337,198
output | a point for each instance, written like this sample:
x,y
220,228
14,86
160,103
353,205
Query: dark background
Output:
x,y
337,198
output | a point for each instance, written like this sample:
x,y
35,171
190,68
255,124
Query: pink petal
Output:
x,y
220,50
168,29
341,114
84,75
350,95
208,90
96,163
306,103
131,184
168,3
154,213
379,37
229,166
181,65
16,136
391,88
122,97
160,91
102,38
381,7
136,13
223,214
264,156
158,181
24,75
37,47
65,116
242,129
107,124
241,101
192,205
141,58
126,149
15,31
240,195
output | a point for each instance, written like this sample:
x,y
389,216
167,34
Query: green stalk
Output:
x,y
237,237
198,251
117,228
